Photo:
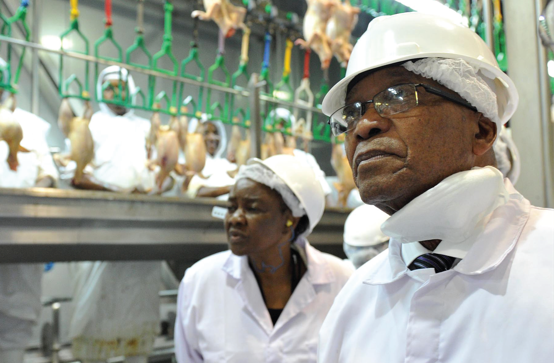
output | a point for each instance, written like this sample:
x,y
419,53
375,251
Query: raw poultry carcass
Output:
x,y
180,125
301,131
195,155
11,132
339,29
151,139
167,150
314,29
234,143
78,132
268,146
344,173
243,151
227,16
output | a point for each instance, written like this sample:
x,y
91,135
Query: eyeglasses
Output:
x,y
394,100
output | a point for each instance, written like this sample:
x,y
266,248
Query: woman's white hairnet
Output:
x,y
462,78
114,73
258,173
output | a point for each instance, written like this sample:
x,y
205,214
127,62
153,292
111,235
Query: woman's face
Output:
x,y
256,219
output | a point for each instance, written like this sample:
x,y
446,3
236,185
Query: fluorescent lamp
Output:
x,y
53,42
435,8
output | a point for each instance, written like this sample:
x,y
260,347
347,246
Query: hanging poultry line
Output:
x,y
107,37
139,45
65,83
234,113
192,58
171,103
219,65
20,16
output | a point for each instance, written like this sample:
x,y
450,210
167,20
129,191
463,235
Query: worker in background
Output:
x,y
116,303
215,180
20,284
363,238
469,272
265,298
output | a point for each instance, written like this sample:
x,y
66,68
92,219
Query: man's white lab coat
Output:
x,y
496,305
222,317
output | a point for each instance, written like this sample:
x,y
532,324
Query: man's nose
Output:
x,y
371,124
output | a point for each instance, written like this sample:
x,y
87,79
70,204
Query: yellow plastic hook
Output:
x,y
74,11
288,52
245,45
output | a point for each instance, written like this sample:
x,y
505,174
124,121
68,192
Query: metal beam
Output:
x,y
42,225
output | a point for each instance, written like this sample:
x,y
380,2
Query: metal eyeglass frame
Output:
x,y
428,88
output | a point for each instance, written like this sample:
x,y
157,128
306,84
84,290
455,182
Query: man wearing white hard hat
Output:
x,y
265,299
469,273
363,238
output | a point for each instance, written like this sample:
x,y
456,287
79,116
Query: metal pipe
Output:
x,y
152,73
254,87
35,90
487,17
547,123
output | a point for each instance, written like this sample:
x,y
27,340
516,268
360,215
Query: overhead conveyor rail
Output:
x,y
45,225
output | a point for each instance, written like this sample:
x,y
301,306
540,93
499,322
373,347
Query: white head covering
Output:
x,y
507,156
114,73
261,174
462,78
363,238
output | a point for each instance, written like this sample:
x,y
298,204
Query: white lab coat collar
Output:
x,y
484,254
318,273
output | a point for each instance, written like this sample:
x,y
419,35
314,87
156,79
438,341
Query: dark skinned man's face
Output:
x,y
398,158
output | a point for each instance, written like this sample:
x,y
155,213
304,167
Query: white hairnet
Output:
x,y
462,78
507,156
258,173
114,73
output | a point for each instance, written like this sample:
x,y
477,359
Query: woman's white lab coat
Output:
x,y
222,317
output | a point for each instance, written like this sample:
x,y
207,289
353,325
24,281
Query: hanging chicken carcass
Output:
x,y
227,16
11,132
167,153
340,164
339,29
314,29
77,130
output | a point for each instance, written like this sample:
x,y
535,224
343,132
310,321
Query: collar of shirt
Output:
x,y
318,271
485,252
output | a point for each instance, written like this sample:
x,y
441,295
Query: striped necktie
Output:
x,y
438,262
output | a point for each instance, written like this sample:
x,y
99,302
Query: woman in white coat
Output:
x,y
265,299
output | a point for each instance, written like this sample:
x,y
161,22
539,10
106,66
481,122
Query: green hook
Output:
x,y
20,15
64,85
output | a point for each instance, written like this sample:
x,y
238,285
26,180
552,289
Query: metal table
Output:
x,y
44,225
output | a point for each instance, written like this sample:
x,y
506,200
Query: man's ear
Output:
x,y
485,137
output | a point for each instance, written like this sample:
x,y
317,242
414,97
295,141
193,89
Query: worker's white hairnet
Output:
x,y
507,156
462,78
259,173
193,124
114,73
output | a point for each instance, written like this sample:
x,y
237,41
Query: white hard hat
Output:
x,y
363,226
408,36
302,181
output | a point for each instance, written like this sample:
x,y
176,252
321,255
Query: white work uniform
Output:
x,y
495,305
222,317
116,303
20,284
216,167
